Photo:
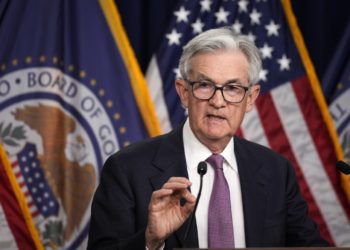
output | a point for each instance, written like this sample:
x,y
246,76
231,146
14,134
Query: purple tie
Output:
x,y
220,227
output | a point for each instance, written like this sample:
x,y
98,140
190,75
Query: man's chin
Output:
x,y
217,135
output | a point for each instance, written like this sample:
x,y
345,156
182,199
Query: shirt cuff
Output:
x,y
160,248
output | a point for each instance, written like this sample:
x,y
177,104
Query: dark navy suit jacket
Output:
x,y
275,214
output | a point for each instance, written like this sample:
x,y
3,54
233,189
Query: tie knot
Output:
x,y
216,161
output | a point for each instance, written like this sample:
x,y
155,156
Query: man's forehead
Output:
x,y
204,58
223,67
203,76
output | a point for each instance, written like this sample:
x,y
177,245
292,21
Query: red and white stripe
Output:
x,y
155,86
36,216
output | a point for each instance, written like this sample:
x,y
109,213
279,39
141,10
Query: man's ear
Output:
x,y
182,91
252,96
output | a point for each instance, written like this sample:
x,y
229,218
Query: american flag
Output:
x,y
288,117
39,197
17,230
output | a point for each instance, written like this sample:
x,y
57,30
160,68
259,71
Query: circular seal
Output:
x,y
57,134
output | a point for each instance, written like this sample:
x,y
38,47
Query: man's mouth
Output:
x,y
215,117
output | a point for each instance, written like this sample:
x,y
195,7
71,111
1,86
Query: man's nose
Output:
x,y
218,98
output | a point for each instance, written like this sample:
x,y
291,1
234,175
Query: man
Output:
x,y
250,195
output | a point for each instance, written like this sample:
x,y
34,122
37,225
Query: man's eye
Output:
x,y
232,88
204,85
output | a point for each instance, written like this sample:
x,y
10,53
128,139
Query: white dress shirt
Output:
x,y
196,152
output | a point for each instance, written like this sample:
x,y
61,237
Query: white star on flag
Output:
x,y
173,37
251,37
263,74
221,15
205,5
182,15
255,17
284,63
177,73
242,6
272,28
237,26
266,51
197,26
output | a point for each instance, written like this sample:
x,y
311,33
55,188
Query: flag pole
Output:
x,y
138,82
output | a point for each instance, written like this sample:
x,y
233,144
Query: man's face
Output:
x,y
215,121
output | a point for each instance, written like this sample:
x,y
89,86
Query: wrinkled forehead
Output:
x,y
220,65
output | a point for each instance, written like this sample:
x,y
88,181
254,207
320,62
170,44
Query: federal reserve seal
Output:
x,y
57,133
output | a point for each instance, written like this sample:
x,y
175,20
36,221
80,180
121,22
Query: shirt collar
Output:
x,y
195,151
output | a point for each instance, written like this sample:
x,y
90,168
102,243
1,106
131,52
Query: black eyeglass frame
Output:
x,y
245,88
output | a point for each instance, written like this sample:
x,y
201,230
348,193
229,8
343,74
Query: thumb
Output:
x,y
188,207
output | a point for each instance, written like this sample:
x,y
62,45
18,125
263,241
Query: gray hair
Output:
x,y
221,39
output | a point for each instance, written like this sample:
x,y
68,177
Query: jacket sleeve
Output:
x,y
112,224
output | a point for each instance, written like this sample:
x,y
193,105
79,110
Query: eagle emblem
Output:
x,y
60,174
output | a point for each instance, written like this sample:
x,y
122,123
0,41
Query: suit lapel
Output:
x,y
170,161
253,184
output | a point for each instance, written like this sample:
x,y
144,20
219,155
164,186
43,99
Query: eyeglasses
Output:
x,y
231,92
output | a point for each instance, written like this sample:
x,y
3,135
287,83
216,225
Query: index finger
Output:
x,y
183,180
